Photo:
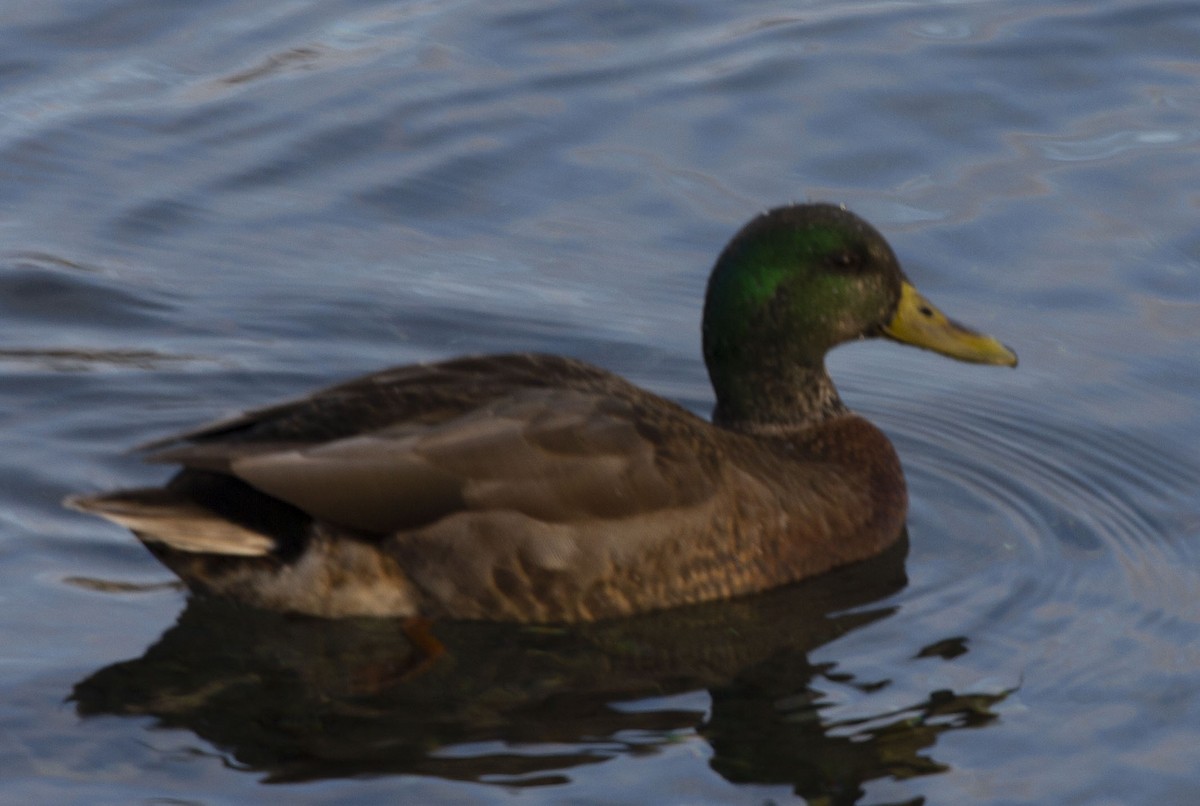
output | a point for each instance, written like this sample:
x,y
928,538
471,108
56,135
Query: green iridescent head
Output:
x,y
799,280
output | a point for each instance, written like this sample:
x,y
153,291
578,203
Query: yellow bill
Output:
x,y
919,323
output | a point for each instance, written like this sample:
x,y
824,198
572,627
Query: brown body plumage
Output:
x,y
610,500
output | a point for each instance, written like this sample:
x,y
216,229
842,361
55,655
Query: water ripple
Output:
x,y
1088,513
1110,144
60,359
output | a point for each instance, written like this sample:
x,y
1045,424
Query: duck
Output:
x,y
537,488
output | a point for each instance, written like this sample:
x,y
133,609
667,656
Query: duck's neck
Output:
x,y
777,401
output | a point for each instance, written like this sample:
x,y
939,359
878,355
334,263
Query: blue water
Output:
x,y
207,206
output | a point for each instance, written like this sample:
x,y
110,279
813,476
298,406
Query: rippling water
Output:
x,y
207,207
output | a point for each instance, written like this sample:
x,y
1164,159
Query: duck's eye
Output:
x,y
845,260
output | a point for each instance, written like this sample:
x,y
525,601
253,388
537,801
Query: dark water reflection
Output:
x,y
299,699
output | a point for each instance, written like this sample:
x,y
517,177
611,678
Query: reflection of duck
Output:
x,y
538,488
295,698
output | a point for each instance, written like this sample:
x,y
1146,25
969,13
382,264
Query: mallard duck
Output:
x,y
537,488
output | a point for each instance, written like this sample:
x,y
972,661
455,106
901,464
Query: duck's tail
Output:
x,y
164,516
236,543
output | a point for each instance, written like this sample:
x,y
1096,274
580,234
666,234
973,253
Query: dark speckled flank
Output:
x,y
536,488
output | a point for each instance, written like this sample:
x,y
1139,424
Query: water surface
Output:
x,y
207,207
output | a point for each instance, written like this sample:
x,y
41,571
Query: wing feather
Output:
x,y
554,455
